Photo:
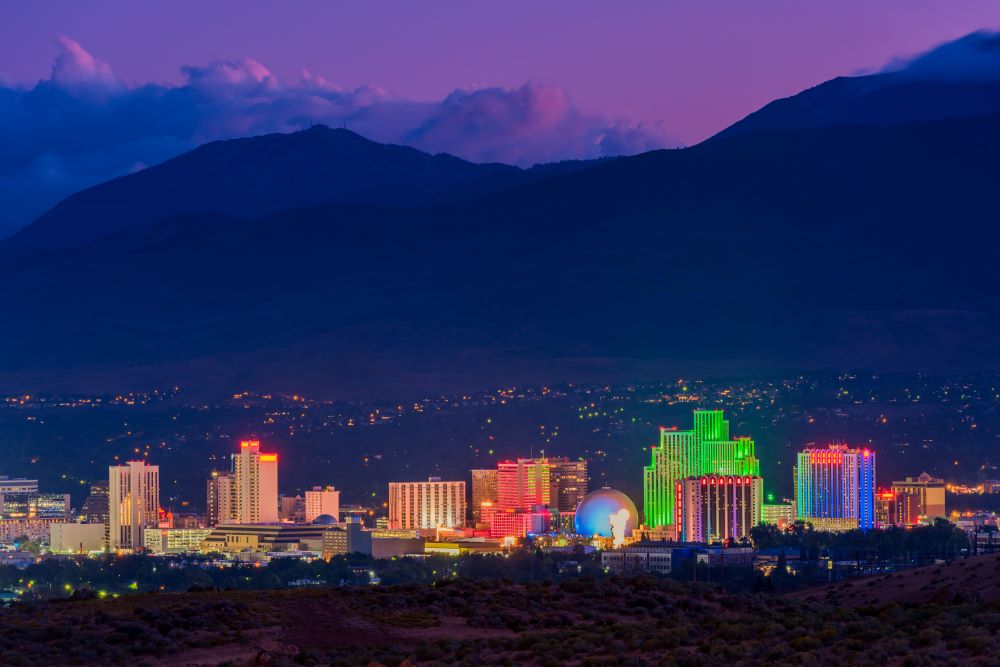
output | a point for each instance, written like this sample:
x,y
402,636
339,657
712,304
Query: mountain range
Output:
x,y
851,226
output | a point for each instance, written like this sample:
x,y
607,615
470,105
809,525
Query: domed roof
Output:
x,y
324,520
593,514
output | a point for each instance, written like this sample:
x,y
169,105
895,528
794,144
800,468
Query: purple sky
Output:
x,y
89,91
695,65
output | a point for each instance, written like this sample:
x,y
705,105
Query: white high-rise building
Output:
x,y
430,504
256,484
134,503
321,501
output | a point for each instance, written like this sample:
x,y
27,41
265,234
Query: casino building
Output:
x,y
835,488
707,449
717,508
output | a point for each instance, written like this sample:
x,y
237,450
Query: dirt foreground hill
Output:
x,y
638,621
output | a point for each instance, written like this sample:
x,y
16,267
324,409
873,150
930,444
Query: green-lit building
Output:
x,y
705,450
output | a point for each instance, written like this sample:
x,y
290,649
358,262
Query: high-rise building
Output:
x,y
705,450
134,500
221,498
484,490
557,483
430,504
919,499
322,500
256,484
96,508
717,508
835,488
569,484
524,484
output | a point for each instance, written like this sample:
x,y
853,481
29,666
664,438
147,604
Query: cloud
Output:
x,y
75,68
83,125
975,57
533,123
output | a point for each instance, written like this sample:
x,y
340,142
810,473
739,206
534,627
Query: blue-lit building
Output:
x,y
594,513
835,488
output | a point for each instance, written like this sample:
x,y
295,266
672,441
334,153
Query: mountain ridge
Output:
x,y
885,99
257,176
730,255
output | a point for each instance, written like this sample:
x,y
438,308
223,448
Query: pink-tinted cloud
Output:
x,y
74,67
533,123
83,125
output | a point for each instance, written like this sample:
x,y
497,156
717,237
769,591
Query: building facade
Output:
x,y
37,529
781,515
76,538
169,541
35,505
96,508
17,485
718,508
707,449
424,505
256,484
523,484
665,557
264,538
484,490
517,523
221,498
835,488
920,499
570,484
134,503
322,500
347,538
555,482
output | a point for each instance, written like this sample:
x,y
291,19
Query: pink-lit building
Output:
x,y
523,484
558,483
516,523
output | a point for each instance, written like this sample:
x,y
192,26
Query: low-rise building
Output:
x,y
641,557
346,538
37,529
475,545
665,557
264,538
781,515
390,543
516,523
77,538
163,541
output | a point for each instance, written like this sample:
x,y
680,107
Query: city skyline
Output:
x,y
822,495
